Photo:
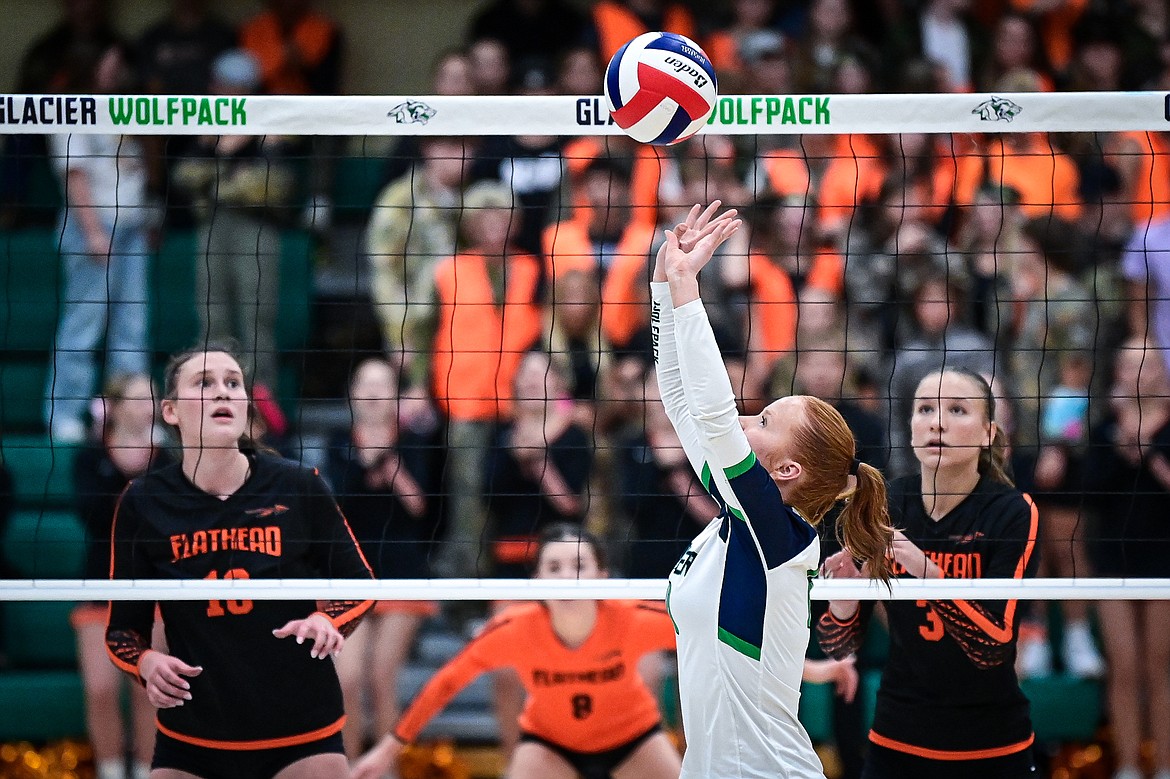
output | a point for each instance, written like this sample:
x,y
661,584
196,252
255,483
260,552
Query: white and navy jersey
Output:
x,y
739,596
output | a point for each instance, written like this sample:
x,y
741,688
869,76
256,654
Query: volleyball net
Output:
x,y
1022,236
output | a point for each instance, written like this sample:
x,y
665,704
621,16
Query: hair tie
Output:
x,y
854,466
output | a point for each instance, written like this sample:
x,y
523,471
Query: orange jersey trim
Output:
x,y
130,669
833,617
264,743
946,754
1004,635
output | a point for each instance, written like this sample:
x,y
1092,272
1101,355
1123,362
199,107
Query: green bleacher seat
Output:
x,y
42,474
41,705
22,392
357,182
45,544
39,635
174,321
296,290
1064,708
174,318
44,188
30,274
816,711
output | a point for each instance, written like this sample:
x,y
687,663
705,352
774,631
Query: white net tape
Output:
x,y
525,589
573,116
570,116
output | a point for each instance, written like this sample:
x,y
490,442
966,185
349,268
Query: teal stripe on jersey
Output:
x,y
705,477
736,513
739,645
741,467
676,624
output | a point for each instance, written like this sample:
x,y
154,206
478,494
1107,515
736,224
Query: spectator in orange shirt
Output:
x,y
783,230
752,302
925,165
1030,163
1142,162
608,723
607,238
482,313
839,172
299,50
1055,21
617,21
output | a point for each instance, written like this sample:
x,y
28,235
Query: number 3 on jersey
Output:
x,y
215,607
933,629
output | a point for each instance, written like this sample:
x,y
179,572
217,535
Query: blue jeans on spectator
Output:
x,y
101,301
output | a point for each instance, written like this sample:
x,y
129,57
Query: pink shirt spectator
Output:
x,y
1146,264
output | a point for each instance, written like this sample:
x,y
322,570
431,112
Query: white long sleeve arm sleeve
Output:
x,y
670,380
710,399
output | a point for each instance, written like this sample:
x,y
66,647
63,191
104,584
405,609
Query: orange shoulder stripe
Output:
x,y
1004,634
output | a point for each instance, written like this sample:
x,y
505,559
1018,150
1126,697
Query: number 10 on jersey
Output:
x,y
215,608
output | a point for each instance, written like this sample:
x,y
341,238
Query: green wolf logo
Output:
x,y
411,112
997,109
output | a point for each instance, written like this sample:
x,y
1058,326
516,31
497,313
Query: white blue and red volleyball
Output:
x,y
660,87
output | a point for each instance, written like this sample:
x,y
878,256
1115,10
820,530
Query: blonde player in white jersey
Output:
x,y
739,595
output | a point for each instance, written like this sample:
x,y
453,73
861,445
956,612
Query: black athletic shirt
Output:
x,y
256,691
949,689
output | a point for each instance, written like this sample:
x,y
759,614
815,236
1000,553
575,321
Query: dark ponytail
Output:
x,y
993,459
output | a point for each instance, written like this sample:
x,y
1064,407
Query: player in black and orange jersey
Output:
x,y
237,699
588,712
949,704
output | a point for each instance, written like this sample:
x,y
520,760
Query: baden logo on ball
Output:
x,y
661,88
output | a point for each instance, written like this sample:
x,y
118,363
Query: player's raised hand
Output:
x,y
317,628
162,675
690,245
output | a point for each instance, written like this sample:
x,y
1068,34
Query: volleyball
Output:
x,y
660,88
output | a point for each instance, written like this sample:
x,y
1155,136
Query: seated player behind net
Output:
x,y
237,700
949,705
739,597
588,711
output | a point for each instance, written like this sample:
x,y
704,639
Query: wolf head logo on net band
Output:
x,y
411,112
997,109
